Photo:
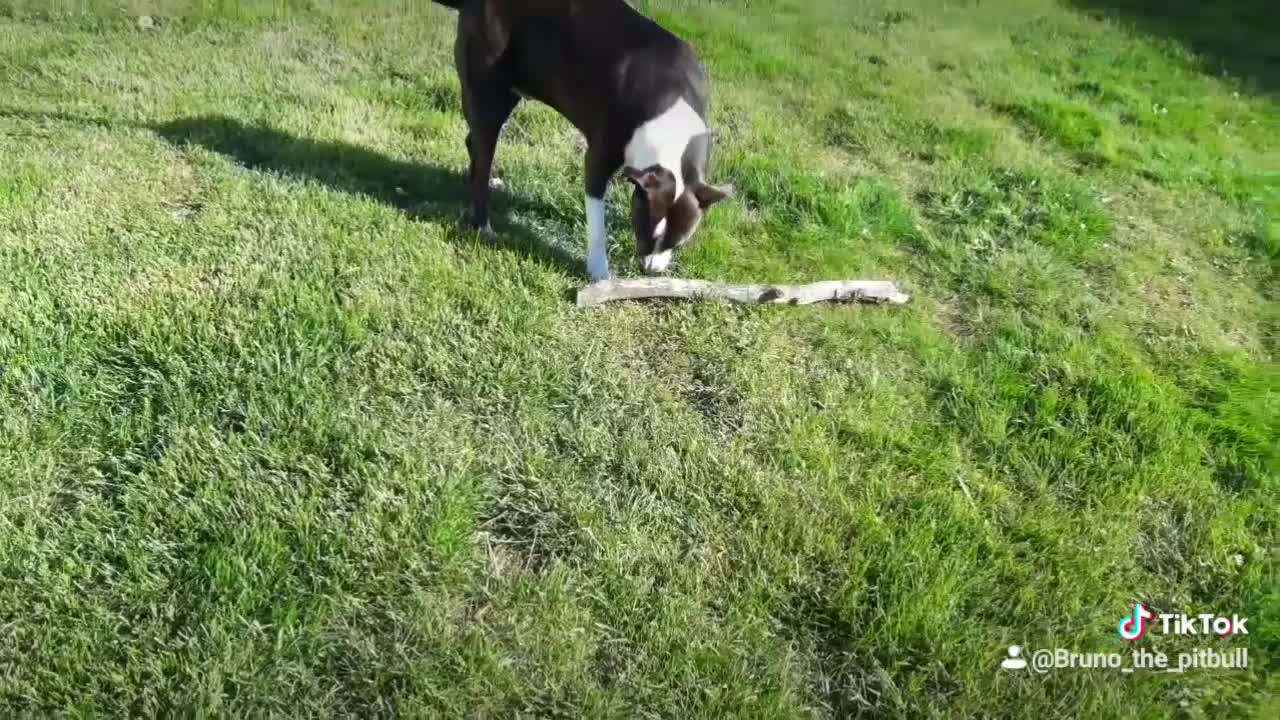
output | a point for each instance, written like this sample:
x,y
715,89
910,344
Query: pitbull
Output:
x,y
637,93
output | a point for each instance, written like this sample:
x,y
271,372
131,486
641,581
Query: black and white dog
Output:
x,y
636,92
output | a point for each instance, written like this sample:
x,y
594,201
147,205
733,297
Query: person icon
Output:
x,y
1014,661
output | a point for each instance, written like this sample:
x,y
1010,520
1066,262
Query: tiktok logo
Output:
x,y
1133,627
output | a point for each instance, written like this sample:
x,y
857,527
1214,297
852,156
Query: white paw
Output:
x,y
656,263
496,183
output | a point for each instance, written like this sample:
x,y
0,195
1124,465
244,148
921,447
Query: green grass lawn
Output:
x,y
278,438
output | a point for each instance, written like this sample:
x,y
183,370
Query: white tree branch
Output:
x,y
872,291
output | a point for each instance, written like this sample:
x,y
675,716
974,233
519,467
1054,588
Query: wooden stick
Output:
x,y
874,291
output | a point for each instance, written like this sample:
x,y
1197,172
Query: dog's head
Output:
x,y
662,220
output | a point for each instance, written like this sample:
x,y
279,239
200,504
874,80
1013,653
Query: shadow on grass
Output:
x,y
1239,37
423,191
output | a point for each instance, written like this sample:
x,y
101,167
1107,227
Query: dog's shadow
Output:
x,y
422,191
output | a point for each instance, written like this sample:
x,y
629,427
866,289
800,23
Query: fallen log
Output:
x,y
869,291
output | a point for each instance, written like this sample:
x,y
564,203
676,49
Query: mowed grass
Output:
x,y
278,438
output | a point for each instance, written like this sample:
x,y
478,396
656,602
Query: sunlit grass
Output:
x,y
277,437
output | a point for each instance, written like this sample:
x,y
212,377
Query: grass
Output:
x,y
277,438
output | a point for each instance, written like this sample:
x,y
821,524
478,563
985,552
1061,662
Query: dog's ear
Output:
x,y
654,180
709,195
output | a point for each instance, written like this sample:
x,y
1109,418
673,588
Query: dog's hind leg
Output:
x,y
488,105
487,94
487,102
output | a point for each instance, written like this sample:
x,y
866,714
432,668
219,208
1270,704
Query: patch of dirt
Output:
x,y
525,518
711,392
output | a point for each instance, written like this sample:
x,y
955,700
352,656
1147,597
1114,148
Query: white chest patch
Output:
x,y
660,229
662,140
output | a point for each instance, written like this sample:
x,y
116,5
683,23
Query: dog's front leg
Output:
x,y
602,162
597,240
